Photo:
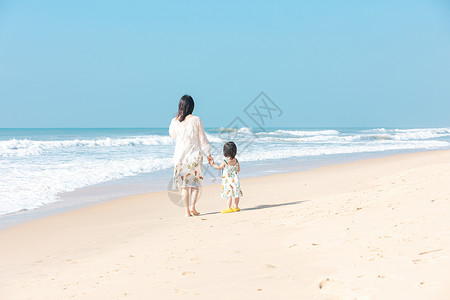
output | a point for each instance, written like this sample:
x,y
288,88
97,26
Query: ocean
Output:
x,y
39,167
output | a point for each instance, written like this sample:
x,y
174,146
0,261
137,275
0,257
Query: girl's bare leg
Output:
x,y
236,202
194,195
185,198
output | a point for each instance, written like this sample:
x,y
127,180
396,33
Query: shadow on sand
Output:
x,y
263,206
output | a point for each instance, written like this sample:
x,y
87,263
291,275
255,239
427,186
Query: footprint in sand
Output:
x,y
181,291
269,266
323,282
187,273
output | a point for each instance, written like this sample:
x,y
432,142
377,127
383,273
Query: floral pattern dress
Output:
x,y
190,139
230,181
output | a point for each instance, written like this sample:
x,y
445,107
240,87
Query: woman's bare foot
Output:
x,y
194,212
187,215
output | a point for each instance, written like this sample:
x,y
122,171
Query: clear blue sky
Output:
x,y
127,63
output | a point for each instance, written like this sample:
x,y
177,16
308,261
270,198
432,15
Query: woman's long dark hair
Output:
x,y
185,107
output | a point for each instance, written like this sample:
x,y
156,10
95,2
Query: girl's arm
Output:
x,y
239,167
222,165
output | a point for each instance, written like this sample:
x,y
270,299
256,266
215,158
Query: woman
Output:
x,y
191,139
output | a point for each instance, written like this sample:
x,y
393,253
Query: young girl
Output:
x,y
231,188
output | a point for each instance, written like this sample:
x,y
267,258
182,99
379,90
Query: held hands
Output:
x,y
210,160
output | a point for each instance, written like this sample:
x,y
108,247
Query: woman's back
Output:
x,y
190,138
186,130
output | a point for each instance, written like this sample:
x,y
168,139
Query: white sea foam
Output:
x,y
27,147
232,129
407,134
420,134
303,132
213,138
245,130
374,130
29,186
288,152
310,139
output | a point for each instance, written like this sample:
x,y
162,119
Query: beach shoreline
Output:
x,y
374,228
161,181
44,170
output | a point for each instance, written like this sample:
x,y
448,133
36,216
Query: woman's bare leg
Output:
x,y
194,194
185,197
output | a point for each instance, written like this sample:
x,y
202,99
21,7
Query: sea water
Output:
x,y
42,166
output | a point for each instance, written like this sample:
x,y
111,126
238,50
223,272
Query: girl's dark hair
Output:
x,y
229,150
185,107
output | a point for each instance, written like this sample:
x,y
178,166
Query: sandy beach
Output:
x,y
373,229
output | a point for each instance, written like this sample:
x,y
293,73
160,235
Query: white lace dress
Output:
x,y
190,139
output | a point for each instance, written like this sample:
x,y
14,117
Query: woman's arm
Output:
x,y
172,132
203,139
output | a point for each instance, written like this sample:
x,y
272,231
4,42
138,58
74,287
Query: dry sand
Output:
x,y
372,229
